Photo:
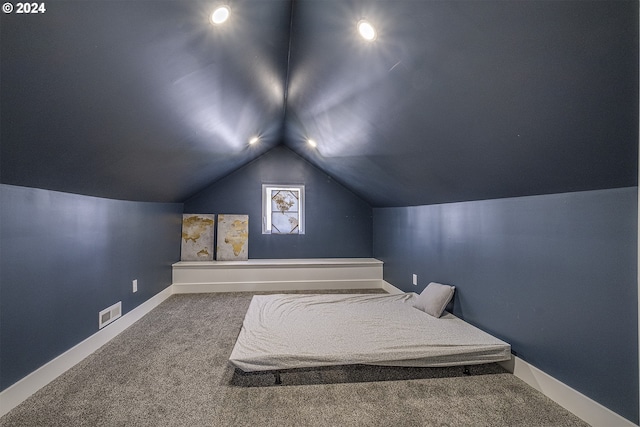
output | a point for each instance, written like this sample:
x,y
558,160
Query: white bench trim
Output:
x,y
277,275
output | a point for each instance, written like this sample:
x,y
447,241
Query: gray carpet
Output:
x,y
171,369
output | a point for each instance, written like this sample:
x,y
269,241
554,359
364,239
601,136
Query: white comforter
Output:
x,y
293,331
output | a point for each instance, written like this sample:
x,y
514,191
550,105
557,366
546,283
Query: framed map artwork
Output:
x,y
233,238
197,237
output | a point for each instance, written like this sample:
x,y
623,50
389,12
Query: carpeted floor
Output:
x,y
171,369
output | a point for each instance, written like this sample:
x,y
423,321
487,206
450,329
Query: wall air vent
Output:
x,y
109,314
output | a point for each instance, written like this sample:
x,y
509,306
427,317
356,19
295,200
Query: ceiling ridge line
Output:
x,y
286,81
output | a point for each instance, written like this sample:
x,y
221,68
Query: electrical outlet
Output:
x,y
135,285
415,280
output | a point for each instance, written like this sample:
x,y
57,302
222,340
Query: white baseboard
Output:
x,y
585,408
582,406
20,391
256,286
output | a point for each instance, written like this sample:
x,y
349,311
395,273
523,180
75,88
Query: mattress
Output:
x,y
289,331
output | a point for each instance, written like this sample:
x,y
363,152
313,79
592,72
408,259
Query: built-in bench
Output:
x,y
277,275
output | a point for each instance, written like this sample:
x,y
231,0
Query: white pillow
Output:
x,y
434,298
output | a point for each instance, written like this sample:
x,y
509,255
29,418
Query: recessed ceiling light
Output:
x,y
220,15
254,140
312,143
366,30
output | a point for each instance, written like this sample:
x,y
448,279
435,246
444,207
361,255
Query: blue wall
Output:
x,y
338,223
554,275
65,257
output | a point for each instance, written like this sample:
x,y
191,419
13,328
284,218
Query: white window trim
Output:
x,y
266,205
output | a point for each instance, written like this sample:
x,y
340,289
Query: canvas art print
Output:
x,y
197,237
233,238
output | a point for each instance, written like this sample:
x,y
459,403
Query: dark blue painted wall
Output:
x,y
64,258
554,275
338,223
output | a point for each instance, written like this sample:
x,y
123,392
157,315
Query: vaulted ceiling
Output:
x,y
455,100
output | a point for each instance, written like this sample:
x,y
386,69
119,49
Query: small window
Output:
x,y
282,209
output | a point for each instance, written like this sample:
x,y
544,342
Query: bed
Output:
x,y
288,331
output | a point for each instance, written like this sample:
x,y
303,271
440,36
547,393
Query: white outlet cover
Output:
x,y
135,285
415,279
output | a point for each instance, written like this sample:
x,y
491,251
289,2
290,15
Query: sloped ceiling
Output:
x,y
455,100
